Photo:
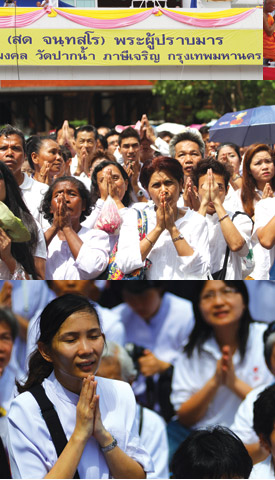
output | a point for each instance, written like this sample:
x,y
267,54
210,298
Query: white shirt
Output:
x,y
164,334
218,245
243,421
263,469
33,193
166,263
154,439
264,212
32,453
261,299
191,374
91,260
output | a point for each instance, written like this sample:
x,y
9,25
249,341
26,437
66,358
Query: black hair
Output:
x,y
9,130
33,145
86,128
218,168
111,133
51,319
165,133
202,331
95,195
45,207
204,129
139,287
22,251
65,152
103,141
6,316
127,133
264,413
269,342
214,452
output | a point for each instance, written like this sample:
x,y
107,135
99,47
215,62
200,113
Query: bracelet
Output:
x,y
109,447
236,178
180,237
225,216
152,244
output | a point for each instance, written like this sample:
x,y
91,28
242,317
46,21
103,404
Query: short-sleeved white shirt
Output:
x,y
264,212
191,374
91,261
263,469
33,193
31,450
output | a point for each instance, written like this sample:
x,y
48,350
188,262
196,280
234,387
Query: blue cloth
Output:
x,y
272,272
193,4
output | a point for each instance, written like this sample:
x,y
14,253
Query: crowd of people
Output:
x,y
138,379
100,204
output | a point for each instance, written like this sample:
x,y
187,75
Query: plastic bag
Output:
x,y
109,219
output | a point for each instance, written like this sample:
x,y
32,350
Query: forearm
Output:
x,y
182,246
196,407
67,463
232,236
266,234
147,244
240,388
50,234
40,267
74,242
123,466
256,452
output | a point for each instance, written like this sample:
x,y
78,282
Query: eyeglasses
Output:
x,y
226,292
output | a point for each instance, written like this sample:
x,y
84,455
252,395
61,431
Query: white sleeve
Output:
x,y
184,382
264,212
93,256
244,226
128,256
243,421
41,249
91,219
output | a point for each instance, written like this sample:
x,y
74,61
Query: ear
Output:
x,y
44,351
264,443
34,157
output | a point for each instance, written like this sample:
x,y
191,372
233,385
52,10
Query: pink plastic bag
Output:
x,y
109,219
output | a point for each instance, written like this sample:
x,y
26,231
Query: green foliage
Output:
x,y
198,101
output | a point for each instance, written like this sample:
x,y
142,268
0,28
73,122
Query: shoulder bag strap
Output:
x,y
52,420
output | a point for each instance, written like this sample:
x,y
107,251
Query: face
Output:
x,y
120,183
220,304
145,304
130,150
112,143
75,350
210,146
222,190
49,152
110,368
188,154
12,153
262,168
26,168
85,145
164,182
6,344
72,198
167,139
2,190
227,153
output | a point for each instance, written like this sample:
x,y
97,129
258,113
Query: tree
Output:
x,y
198,101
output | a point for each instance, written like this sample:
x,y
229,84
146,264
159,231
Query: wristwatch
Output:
x,y
180,237
109,447
140,193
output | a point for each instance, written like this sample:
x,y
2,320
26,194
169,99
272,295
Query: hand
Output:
x,y
149,364
190,195
43,175
160,217
228,367
267,191
146,130
168,213
61,216
111,185
5,295
86,409
213,186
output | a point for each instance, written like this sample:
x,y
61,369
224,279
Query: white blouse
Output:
x,y
166,263
31,450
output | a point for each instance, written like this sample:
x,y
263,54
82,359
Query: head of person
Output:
x,y
214,452
219,305
166,136
269,347
230,153
41,150
102,143
103,130
59,132
129,145
10,194
258,169
12,149
116,363
112,140
264,419
119,176
188,148
77,198
67,157
98,157
87,288
162,174
86,141
70,343
269,6
143,297
8,333
210,146
221,176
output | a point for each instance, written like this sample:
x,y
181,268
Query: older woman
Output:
x,y
177,240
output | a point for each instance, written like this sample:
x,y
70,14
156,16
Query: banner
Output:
x,y
130,47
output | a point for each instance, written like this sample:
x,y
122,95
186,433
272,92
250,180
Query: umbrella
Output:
x,y
254,125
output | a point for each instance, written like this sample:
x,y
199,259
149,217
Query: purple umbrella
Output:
x,y
254,125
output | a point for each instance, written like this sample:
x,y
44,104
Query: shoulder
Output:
x,y
117,393
24,409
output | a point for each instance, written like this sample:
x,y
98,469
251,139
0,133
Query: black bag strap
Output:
x,y
140,420
52,420
5,467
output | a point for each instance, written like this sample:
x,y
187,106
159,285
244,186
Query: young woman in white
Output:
x,y
94,413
